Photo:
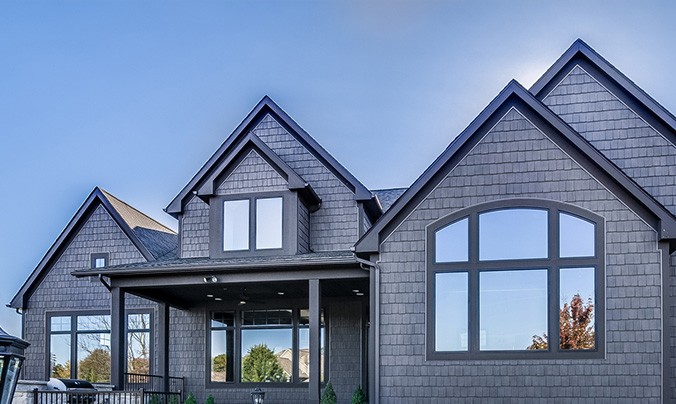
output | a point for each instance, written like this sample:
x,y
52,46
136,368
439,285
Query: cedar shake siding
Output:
x,y
335,225
194,229
618,132
59,291
517,160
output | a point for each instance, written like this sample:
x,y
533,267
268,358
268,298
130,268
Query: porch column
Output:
x,y
315,340
163,344
117,338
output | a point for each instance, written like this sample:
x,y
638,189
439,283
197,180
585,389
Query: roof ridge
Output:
x,y
112,198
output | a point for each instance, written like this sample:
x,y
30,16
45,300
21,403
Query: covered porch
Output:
x,y
215,322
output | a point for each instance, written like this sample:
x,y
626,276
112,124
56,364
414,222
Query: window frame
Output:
x,y
97,256
289,224
237,337
73,334
553,264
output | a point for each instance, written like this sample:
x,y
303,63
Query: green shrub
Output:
x,y
191,399
358,397
329,396
210,400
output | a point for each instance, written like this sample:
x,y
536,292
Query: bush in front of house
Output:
x,y
329,396
210,400
191,399
358,397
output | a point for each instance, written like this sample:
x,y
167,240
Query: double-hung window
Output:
x,y
515,279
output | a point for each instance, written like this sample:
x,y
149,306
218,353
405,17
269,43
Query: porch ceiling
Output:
x,y
249,294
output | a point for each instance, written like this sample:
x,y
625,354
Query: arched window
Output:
x,y
516,279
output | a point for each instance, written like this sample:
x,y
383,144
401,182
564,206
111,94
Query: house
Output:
x,y
533,260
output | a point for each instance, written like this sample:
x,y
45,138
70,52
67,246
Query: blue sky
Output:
x,y
135,96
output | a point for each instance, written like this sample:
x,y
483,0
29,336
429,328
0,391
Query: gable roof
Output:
x,y
264,107
579,149
608,75
152,239
252,142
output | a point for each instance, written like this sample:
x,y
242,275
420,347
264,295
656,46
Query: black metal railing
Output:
x,y
105,397
136,381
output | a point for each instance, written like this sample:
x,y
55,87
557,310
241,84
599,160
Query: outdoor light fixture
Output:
x,y
211,279
257,396
280,293
11,359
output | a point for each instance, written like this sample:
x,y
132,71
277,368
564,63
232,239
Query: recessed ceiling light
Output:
x,y
280,293
218,299
242,302
360,294
355,290
210,295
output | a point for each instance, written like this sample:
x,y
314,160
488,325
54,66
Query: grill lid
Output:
x,y
69,384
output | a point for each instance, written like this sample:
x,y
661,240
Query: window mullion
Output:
x,y
474,336
73,347
554,279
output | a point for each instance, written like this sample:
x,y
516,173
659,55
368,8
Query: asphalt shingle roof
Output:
x,y
388,197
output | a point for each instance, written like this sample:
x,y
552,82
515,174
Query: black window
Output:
x,y
515,279
79,345
261,346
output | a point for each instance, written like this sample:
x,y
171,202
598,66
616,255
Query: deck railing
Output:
x,y
136,381
105,397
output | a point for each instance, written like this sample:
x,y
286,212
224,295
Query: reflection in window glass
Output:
x,y
451,242
93,357
93,323
236,225
60,324
577,236
451,311
222,354
304,354
267,317
512,308
513,234
268,223
577,305
138,343
59,354
266,355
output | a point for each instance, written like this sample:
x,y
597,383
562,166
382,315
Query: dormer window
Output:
x,y
252,221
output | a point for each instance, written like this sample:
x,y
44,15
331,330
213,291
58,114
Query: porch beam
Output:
x,y
163,344
315,340
117,337
273,276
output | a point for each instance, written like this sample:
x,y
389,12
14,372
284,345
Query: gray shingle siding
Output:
x,y
345,348
253,174
60,291
195,229
515,160
618,132
303,228
335,225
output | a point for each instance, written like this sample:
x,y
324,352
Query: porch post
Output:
x,y
315,340
117,337
163,344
